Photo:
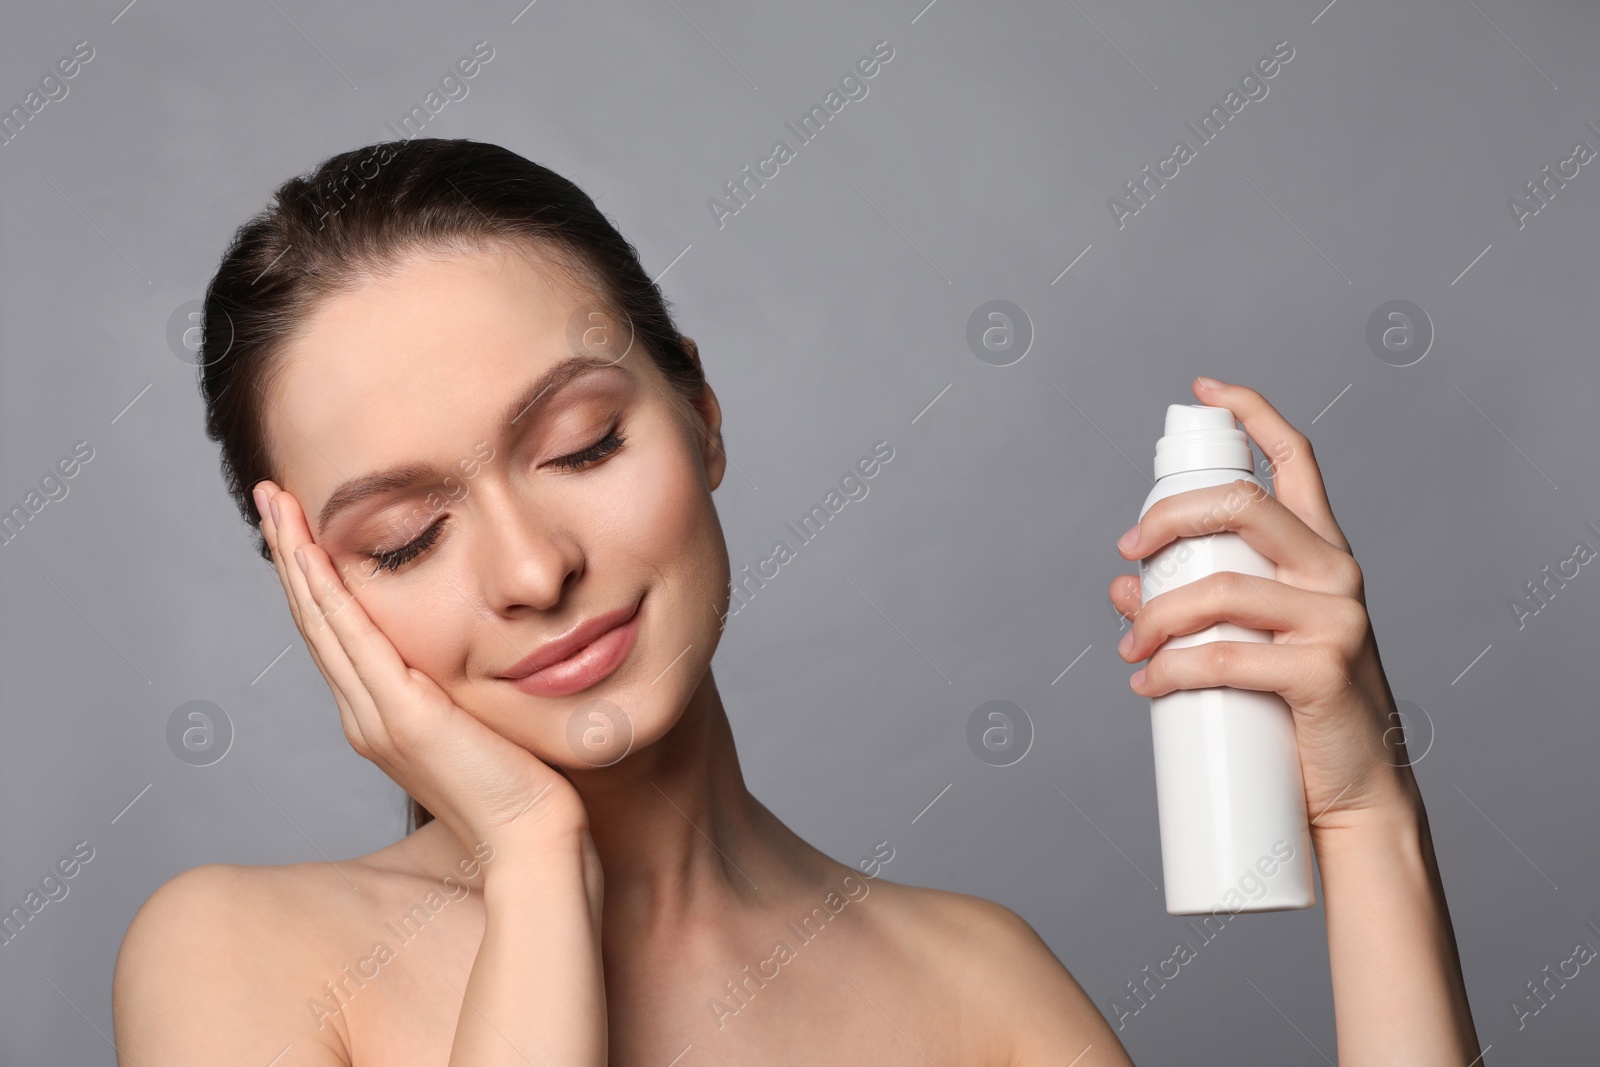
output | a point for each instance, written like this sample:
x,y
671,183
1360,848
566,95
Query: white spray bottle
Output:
x,y
1234,831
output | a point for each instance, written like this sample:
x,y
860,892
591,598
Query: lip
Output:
x,y
580,658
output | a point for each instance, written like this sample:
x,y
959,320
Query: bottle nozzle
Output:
x,y
1200,437
1182,417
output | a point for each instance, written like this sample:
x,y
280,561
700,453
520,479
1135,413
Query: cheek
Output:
x,y
661,518
660,512
422,619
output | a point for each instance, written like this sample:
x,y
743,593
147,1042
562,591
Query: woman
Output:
x,y
481,459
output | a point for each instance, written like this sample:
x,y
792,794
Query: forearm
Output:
x,y
536,994
1398,992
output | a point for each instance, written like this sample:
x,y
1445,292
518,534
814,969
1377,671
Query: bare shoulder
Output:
x,y
1031,1009
211,965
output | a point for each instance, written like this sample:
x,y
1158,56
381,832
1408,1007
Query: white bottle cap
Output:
x,y
1199,437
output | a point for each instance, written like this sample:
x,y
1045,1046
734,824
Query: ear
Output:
x,y
710,412
692,350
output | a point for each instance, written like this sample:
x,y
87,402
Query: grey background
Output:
x,y
831,313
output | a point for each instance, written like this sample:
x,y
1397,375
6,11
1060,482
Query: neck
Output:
x,y
682,840
685,846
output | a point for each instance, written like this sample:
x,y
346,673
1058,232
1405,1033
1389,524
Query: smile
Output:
x,y
588,656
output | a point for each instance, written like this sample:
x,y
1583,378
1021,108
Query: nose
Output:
x,y
525,557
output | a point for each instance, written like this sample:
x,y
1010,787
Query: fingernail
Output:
x,y
272,505
1138,677
1126,643
256,493
1210,383
299,557
1129,539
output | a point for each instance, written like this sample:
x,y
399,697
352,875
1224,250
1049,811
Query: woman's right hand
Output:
x,y
481,785
538,980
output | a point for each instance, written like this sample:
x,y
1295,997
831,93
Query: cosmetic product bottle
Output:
x,y
1234,832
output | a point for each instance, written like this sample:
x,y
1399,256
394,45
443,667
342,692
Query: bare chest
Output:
x,y
839,996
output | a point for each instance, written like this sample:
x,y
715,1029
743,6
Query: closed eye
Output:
x,y
594,453
394,559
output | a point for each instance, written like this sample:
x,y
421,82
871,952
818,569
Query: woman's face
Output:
x,y
474,527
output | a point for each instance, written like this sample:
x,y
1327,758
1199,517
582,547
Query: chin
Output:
x,y
601,727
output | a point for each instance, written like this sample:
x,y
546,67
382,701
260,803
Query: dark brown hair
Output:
x,y
358,215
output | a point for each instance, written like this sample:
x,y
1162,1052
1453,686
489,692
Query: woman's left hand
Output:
x,y
1323,659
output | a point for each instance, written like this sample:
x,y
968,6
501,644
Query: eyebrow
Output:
x,y
409,475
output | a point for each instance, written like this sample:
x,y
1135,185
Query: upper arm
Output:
x,y
202,979
1037,1011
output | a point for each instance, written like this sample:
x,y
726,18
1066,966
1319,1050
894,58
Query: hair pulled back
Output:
x,y
358,215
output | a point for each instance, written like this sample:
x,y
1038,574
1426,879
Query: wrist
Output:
x,y
522,865
1398,989
1394,823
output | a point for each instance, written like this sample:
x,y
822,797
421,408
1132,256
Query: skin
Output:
x,y
617,883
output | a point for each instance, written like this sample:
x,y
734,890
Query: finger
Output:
x,y
1244,600
1296,480
1125,597
269,530
1298,673
366,661
1264,521
282,561
265,490
333,660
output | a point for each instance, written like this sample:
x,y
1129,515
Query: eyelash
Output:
x,y
595,452
397,558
